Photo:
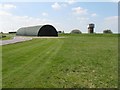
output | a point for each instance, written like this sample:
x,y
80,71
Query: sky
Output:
x,y
64,16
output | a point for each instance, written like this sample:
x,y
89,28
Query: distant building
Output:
x,y
75,31
40,30
12,32
91,28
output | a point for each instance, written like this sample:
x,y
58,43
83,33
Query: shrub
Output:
x,y
107,31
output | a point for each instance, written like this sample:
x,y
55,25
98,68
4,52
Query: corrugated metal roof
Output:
x,y
29,31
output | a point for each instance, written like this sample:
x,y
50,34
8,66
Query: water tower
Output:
x,y
91,28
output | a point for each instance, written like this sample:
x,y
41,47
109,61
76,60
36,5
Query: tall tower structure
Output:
x,y
91,28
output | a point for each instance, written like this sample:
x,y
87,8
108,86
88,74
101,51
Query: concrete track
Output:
x,y
15,40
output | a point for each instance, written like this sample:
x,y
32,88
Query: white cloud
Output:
x,y
13,22
45,14
79,11
2,13
111,18
10,22
82,18
7,6
71,1
94,15
56,6
63,5
111,23
116,1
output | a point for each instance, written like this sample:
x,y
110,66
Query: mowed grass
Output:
x,y
76,61
8,36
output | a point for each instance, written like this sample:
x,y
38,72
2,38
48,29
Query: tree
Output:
x,y
107,31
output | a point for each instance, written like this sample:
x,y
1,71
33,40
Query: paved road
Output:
x,y
15,40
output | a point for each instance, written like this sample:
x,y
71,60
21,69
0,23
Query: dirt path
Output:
x,y
15,40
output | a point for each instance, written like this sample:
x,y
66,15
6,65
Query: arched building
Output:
x,y
75,31
41,30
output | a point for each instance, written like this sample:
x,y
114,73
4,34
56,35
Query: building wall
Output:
x,y
90,30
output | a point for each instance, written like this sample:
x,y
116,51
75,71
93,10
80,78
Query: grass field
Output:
x,y
8,36
76,61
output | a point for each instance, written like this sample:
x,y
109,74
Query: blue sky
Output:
x,y
65,16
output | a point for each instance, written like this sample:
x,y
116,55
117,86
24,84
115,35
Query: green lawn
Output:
x,y
8,36
76,61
